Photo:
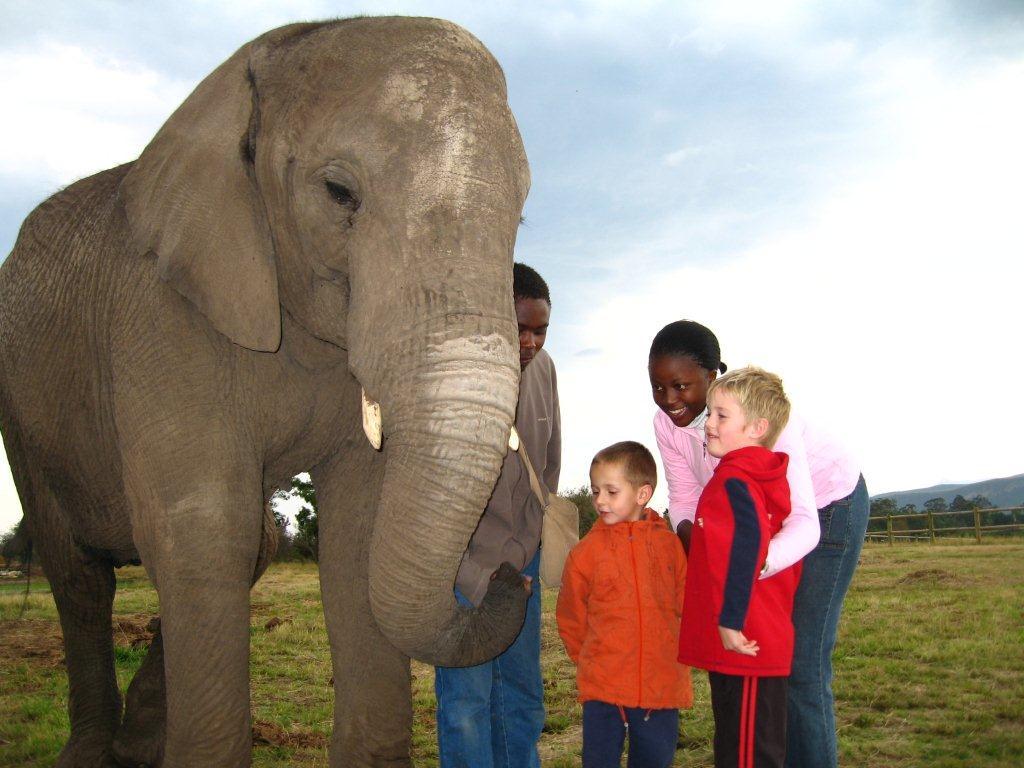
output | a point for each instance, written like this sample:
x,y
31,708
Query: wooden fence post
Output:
x,y
977,524
931,526
888,527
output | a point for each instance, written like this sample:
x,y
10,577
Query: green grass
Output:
x,y
929,667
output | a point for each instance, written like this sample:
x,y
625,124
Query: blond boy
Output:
x,y
735,626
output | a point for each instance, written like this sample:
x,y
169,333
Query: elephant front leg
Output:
x,y
372,684
199,539
206,661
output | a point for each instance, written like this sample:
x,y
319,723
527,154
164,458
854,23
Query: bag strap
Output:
x,y
516,444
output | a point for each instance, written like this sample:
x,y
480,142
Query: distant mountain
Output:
x,y
1003,492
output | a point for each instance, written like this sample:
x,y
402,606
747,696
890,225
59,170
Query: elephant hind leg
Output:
x,y
140,740
83,589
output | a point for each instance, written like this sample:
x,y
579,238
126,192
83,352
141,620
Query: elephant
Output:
x,y
327,220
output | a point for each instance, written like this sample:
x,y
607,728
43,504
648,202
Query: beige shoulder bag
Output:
x,y
561,529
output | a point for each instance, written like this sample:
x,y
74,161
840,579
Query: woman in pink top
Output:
x,y
826,526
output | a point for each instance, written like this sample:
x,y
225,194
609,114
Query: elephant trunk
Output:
x,y
446,437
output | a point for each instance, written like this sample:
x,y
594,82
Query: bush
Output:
x,y
585,504
15,546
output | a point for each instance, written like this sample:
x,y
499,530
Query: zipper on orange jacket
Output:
x,y
639,620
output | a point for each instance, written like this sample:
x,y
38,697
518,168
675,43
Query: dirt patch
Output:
x,y
37,640
553,745
264,733
275,622
259,606
135,631
41,642
931,576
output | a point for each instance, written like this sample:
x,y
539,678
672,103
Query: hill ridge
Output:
x,y
1001,491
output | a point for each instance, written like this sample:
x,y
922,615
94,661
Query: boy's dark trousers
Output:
x,y
750,720
653,735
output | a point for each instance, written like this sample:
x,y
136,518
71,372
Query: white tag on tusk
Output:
x,y
513,439
371,421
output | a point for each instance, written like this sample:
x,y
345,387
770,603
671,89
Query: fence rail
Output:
x,y
930,531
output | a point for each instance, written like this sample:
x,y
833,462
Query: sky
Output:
x,y
834,188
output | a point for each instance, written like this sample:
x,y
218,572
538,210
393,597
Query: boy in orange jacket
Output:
x,y
618,614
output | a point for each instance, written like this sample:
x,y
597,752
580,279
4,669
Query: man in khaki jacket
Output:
x,y
491,715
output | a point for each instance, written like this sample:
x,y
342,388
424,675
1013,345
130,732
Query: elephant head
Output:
x,y
372,192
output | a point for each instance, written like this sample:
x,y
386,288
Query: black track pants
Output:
x,y
750,720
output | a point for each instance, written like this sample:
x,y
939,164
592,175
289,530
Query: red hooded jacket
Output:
x,y
741,508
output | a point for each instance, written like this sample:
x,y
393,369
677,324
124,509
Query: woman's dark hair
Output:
x,y
527,284
685,338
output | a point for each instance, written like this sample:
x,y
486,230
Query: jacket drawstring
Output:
x,y
625,720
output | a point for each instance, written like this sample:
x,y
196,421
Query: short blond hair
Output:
x,y
635,461
760,395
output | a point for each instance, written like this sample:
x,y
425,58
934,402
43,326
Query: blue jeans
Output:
x,y
827,572
491,715
653,735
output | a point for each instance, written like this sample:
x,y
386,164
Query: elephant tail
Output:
x,y
268,542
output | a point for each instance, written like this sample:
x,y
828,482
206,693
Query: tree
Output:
x,y
938,504
913,523
305,542
883,507
585,504
960,504
981,502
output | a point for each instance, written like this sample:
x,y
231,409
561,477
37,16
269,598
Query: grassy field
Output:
x,y
929,667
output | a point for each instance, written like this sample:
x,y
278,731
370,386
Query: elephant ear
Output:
x,y
191,199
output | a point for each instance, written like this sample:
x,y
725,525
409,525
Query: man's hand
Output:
x,y
683,532
527,582
734,640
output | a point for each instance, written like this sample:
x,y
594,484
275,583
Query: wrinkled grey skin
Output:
x,y
334,207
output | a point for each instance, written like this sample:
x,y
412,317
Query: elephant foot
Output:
x,y
139,749
365,756
139,742
86,751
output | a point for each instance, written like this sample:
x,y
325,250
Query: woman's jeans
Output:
x,y
491,715
827,572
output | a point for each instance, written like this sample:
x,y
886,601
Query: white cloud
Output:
x,y
678,157
78,112
886,313
10,505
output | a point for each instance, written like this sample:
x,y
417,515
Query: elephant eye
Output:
x,y
342,195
